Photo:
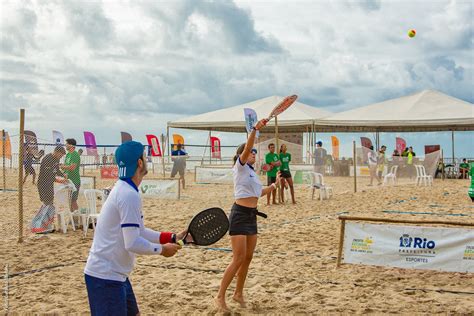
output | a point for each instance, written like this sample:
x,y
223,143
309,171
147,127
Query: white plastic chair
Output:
x,y
422,177
91,214
391,177
317,182
62,203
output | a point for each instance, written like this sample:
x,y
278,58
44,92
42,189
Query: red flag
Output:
x,y
215,147
366,142
400,144
154,145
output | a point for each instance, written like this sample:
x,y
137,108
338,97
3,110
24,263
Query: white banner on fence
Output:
x,y
160,188
86,183
214,175
411,247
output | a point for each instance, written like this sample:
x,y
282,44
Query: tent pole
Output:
x,y
307,145
452,146
168,143
210,149
355,165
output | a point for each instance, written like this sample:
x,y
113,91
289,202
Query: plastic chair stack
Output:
x,y
317,182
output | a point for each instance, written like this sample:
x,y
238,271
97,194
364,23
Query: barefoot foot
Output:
x,y
221,305
239,299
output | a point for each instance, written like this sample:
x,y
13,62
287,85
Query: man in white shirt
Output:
x,y
119,236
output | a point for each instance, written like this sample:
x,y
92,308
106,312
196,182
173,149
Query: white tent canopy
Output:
x,y
427,110
297,118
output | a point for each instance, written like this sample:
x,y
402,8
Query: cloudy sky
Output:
x,y
107,66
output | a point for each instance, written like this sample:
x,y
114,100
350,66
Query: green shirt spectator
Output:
x,y
464,165
269,158
285,159
73,175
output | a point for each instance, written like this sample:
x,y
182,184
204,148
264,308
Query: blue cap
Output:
x,y
127,156
320,143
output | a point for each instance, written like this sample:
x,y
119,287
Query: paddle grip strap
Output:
x,y
262,214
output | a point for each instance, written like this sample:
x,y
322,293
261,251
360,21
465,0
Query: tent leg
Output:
x,y
452,147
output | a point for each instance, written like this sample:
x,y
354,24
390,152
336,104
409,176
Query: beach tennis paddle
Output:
x,y
207,227
267,167
282,106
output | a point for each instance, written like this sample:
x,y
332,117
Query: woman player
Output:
x,y
243,218
285,159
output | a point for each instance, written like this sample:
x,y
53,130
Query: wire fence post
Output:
x,y
355,165
20,175
4,153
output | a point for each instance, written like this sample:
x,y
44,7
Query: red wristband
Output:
x,y
165,237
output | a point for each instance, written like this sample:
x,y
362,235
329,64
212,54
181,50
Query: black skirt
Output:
x,y
243,220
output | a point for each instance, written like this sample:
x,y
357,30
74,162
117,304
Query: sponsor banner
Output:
x,y
214,175
160,188
410,247
109,172
302,177
87,183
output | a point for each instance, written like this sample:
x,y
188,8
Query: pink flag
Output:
x,y
154,145
91,146
215,147
400,144
366,142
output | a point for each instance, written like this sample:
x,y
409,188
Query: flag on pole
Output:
x,y
91,146
126,137
215,147
400,144
154,145
335,147
366,142
5,142
58,138
30,141
177,139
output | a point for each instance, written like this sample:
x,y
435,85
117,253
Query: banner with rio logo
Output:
x,y
160,188
409,247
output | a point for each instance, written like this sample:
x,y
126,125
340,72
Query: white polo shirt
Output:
x,y
246,181
108,259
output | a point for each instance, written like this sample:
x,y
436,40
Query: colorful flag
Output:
x,y
126,137
335,147
154,145
215,147
5,142
250,119
91,146
177,139
366,142
400,144
58,138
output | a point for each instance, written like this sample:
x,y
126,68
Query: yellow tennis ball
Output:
x,y
180,243
411,33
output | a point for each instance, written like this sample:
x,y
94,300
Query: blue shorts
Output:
x,y
107,297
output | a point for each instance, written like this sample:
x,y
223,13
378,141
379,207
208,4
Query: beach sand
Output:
x,y
293,270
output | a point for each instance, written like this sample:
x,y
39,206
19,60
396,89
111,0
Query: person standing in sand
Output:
x,y
372,159
243,218
120,235
272,159
285,159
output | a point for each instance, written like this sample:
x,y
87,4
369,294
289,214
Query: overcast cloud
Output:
x,y
107,66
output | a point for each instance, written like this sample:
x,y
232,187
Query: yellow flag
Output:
x,y
7,145
177,139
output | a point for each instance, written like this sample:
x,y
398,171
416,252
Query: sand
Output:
x,y
293,270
